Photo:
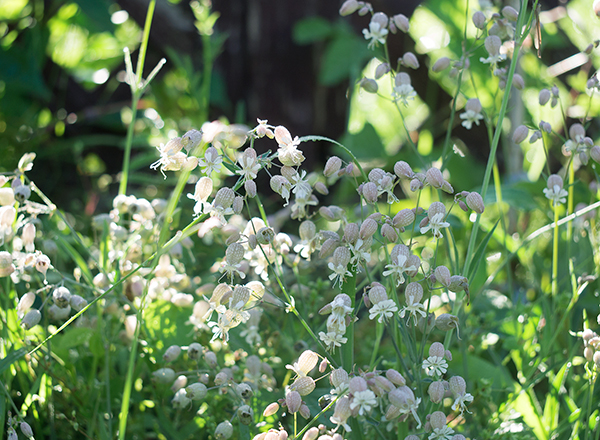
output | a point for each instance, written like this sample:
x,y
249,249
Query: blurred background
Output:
x,y
63,95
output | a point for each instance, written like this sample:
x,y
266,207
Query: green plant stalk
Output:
x,y
498,132
555,254
137,93
379,329
349,288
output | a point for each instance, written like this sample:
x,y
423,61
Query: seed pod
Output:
x,y
245,414
61,297
194,350
446,322
304,411
265,235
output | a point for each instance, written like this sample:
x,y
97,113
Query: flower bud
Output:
x,y
395,377
403,218
77,303
544,96
321,188
26,429
271,409
437,349
403,170
595,153
410,60
250,187
381,70
368,85
338,377
434,177
389,233
6,266
368,228
211,359
31,319
164,375
518,81
224,430
437,420
442,274
441,64
510,13
401,22
311,434
475,202
196,391
458,386
332,166
328,247
369,192
171,353
479,20
349,7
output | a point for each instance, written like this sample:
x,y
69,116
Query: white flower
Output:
x,y
493,59
469,117
556,194
435,366
435,224
376,33
404,93
230,270
212,161
413,308
288,152
383,310
332,339
444,433
397,269
459,403
364,401
340,272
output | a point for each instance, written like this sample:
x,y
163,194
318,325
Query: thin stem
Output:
x,y
555,254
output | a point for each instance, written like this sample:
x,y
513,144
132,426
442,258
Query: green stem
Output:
x,y
137,93
555,254
349,288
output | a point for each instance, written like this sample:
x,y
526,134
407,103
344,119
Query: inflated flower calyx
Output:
x,y
271,409
520,134
164,375
224,430
6,265
61,297
475,202
244,390
479,20
196,391
265,235
369,85
171,353
437,420
293,401
22,193
245,414
436,391
304,385
31,319
447,322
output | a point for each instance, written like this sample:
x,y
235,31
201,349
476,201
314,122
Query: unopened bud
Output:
x,y
410,60
293,401
368,85
381,70
479,20
436,391
349,7
441,64
475,202
271,409
172,353
401,22
369,192
31,319
544,96
510,13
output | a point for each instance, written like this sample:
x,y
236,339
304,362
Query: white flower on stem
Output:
x,y
332,340
361,252
288,152
339,266
444,433
435,366
376,33
413,308
493,44
435,215
472,113
397,269
212,161
249,165
403,90
461,401
555,191
383,310
263,129
403,398
171,157
364,401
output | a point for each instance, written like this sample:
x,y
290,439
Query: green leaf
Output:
x,y
343,59
478,255
11,357
365,144
310,30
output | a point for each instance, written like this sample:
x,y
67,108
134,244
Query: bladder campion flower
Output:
x,y
555,192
